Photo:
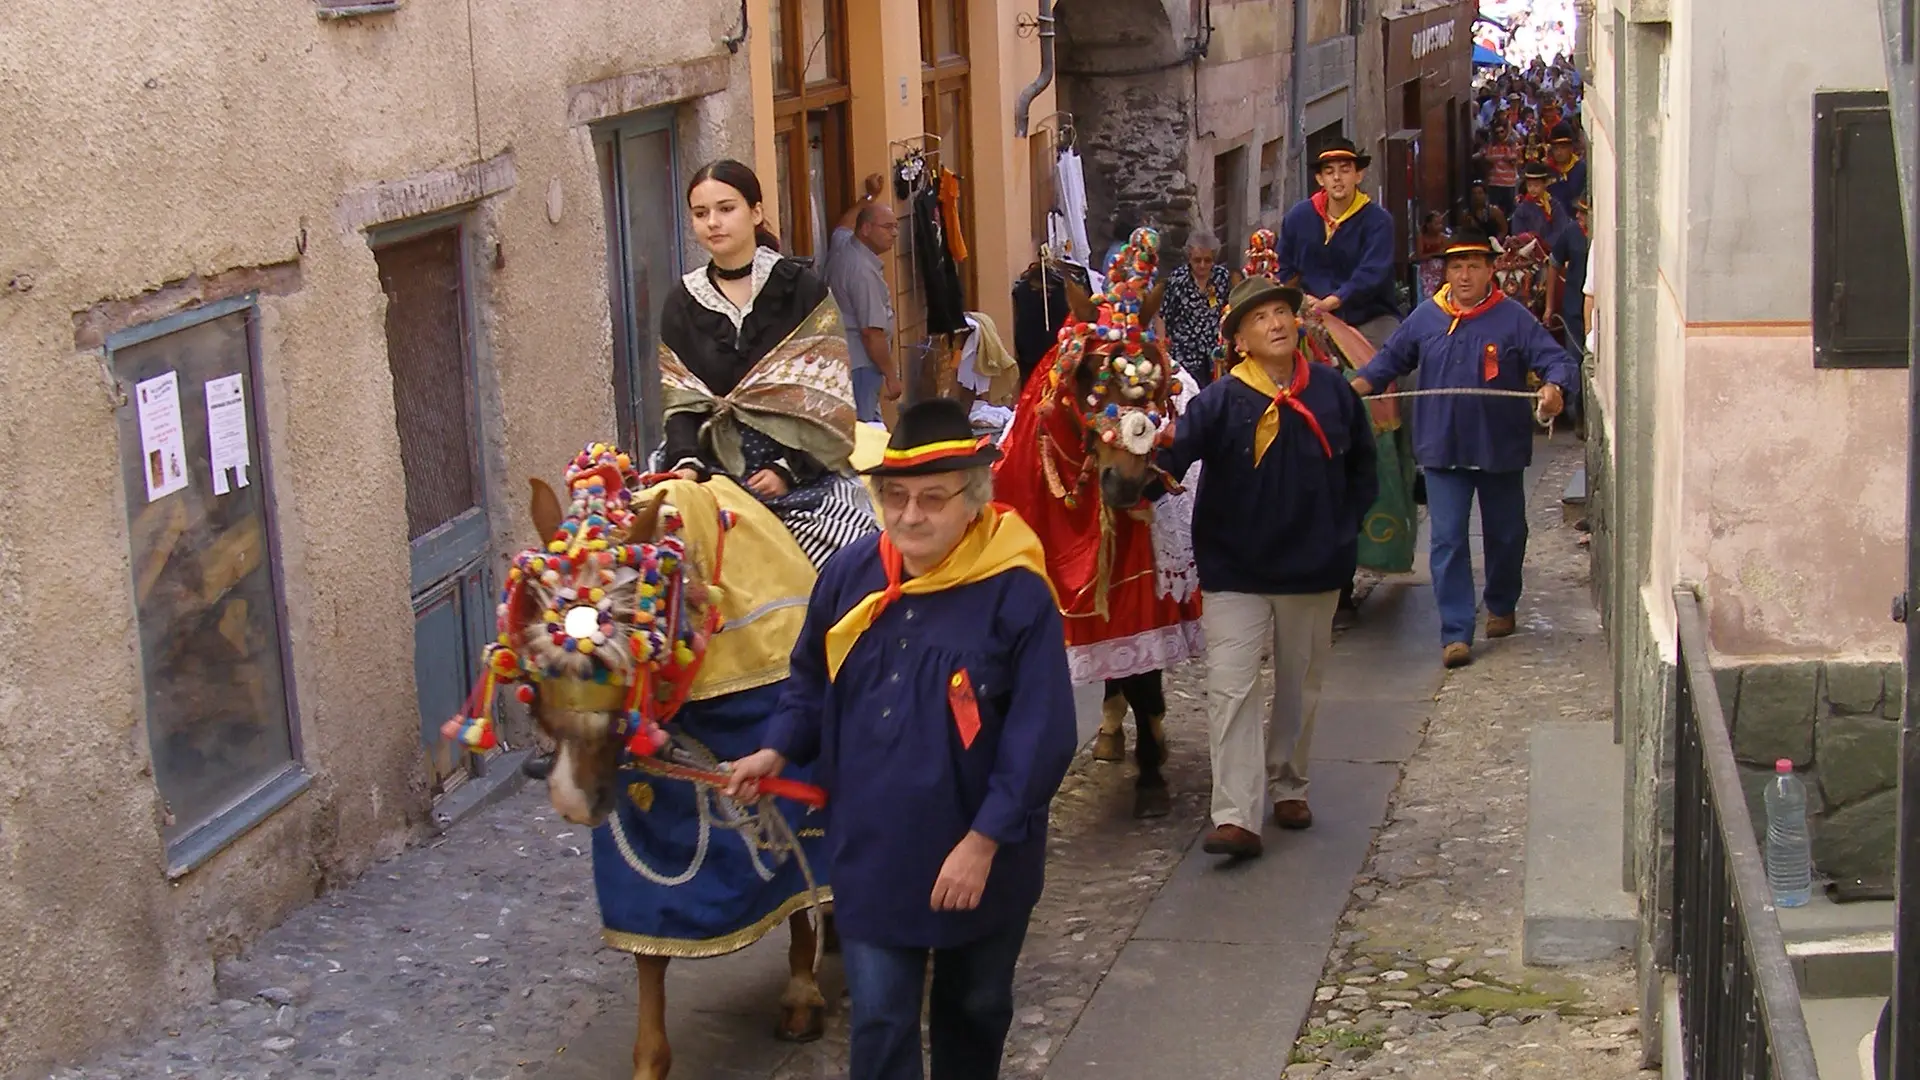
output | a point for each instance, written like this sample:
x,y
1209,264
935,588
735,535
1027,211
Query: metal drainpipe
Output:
x,y
1297,109
1043,17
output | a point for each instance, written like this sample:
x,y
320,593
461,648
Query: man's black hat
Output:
x,y
1562,133
934,437
1537,170
1468,242
1341,150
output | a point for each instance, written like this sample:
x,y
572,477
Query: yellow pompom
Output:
x,y
558,547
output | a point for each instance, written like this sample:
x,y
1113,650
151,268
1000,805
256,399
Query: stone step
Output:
x,y
1842,1031
1573,502
1840,950
1576,910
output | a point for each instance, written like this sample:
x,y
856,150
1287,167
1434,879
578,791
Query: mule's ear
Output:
x,y
1150,307
1080,302
545,509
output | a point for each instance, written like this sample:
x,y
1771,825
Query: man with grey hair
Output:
x,y
1192,308
930,683
858,281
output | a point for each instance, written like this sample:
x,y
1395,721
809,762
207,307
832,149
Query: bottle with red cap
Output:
x,y
1789,854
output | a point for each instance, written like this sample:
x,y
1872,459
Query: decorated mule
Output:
x,y
1079,458
1524,270
650,635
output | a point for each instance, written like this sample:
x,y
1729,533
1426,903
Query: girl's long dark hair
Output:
x,y
741,179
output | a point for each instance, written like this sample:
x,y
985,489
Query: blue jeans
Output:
x,y
867,384
967,1021
1503,527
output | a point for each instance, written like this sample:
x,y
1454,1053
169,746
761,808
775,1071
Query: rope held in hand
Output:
x,y
1475,391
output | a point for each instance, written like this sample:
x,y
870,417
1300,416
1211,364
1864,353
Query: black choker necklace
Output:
x,y
731,275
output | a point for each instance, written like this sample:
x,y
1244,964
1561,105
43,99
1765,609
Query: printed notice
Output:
x,y
227,433
162,436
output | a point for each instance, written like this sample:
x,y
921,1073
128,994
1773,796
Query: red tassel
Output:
x,y
1490,365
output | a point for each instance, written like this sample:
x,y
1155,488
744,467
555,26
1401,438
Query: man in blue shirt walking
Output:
x,y
1471,336
930,683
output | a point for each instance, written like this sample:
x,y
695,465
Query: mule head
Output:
x,y
1124,386
608,601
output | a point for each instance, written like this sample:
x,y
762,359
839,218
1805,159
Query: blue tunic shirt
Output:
x,y
1470,432
903,789
1291,524
1356,265
1568,187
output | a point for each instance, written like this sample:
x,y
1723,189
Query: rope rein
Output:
x,y
1474,391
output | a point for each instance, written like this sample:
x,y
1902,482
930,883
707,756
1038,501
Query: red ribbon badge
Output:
x,y
966,709
1490,363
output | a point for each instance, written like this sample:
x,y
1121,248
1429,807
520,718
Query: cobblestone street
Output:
x,y
477,955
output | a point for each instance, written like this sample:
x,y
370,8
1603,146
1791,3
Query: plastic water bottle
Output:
x,y
1789,858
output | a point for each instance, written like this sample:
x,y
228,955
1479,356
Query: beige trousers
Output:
x,y
1257,758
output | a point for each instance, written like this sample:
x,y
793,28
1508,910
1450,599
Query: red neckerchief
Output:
x,y
1289,397
1332,223
1444,298
1544,202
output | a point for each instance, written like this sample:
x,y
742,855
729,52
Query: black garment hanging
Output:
x,y
1037,318
946,305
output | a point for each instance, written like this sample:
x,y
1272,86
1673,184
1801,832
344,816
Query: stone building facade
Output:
x,y
297,294
1730,453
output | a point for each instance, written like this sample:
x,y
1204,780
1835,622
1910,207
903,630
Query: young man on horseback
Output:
x,y
1338,248
1289,460
930,683
1472,337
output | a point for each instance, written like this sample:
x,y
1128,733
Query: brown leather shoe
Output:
x,y
1231,840
1500,626
1457,654
1292,814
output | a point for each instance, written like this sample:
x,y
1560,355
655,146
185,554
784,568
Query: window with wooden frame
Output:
x,y
810,132
1861,309
946,102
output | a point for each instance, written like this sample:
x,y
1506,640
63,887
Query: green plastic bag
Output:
x,y
1388,532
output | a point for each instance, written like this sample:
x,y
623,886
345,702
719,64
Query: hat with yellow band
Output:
x,y
934,437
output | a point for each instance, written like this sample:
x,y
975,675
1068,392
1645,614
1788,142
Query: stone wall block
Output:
x,y
1858,755
1774,718
1857,842
1853,689
1896,698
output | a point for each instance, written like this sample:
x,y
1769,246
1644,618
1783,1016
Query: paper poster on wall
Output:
x,y
163,440
227,433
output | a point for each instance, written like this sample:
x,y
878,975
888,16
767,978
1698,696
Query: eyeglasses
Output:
x,y
897,499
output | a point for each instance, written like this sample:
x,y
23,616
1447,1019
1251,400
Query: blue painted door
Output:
x,y
430,353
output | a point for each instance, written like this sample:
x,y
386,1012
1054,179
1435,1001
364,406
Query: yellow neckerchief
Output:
x,y
1571,162
1321,202
1268,429
1443,296
997,541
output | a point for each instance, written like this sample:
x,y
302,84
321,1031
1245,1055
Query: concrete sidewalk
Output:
x,y
1221,972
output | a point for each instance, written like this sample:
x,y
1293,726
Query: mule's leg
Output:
x,y
652,1057
803,1009
1111,743
1148,699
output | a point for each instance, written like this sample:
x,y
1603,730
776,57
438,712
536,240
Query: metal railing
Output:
x,y
1740,1014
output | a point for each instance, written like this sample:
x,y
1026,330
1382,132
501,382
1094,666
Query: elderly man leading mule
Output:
x,y
1194,296
930,682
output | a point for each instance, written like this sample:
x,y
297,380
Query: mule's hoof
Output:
x,y
1152,802
1110,746
812,1026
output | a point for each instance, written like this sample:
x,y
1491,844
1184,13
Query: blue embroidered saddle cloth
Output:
x,y
672,878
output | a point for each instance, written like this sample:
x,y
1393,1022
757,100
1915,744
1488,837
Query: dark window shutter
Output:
x,y
1860,278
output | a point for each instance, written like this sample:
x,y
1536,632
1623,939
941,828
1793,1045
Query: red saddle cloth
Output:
x,y
1102,561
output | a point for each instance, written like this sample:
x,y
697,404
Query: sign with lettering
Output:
x,y
1434,43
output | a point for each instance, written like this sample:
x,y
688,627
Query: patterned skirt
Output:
x,y
826,515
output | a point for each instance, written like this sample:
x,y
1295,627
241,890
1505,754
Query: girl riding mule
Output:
x,y
1092,416
650,634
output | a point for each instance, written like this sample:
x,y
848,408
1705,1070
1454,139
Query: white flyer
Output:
x,y
163,439
227,432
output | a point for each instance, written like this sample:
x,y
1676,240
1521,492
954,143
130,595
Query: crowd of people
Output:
x,y
930,686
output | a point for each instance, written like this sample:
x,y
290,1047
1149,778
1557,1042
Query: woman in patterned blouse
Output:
x,y
1195,293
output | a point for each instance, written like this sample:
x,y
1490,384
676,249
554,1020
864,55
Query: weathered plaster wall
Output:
x,y
1796,497
205,136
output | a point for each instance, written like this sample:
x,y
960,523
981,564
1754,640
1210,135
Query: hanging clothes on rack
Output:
x,y
1038,315
950,215
1070,181
946,306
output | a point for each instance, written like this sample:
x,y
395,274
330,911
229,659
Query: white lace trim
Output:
x,y
1149,650
708,296
1174,574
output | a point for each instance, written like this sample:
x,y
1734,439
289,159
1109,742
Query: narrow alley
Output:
x,y
1387,936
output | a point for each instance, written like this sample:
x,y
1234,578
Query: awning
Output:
x,y
1485,57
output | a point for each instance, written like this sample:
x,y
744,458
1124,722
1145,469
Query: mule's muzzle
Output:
x,y
1121,492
